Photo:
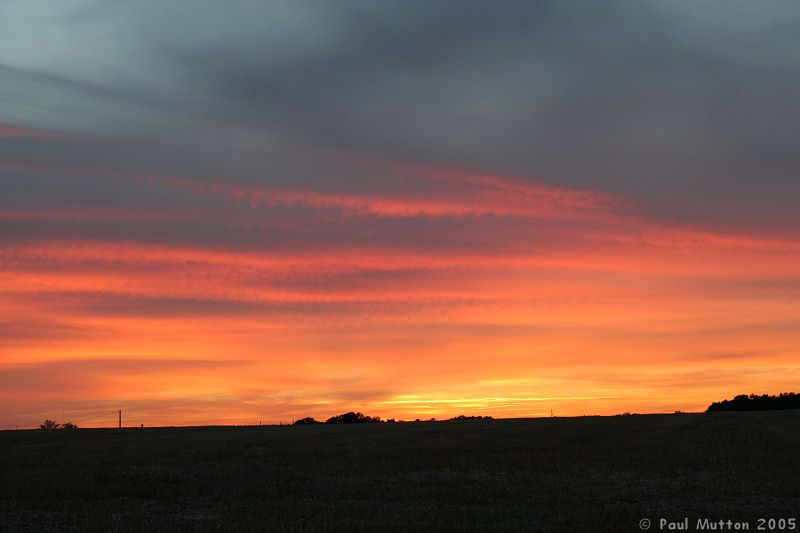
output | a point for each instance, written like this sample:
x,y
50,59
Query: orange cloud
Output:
x,y
487,295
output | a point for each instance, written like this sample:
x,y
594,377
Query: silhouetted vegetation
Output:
x,y
352,418
306,420
360,418
593,473
52,424
754,402
345,418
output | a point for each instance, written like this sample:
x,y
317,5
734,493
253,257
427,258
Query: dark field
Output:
x,y
569,474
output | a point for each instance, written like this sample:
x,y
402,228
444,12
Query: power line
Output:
x,y
93,417
107,415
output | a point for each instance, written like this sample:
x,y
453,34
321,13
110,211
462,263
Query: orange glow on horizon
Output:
x,y
516,300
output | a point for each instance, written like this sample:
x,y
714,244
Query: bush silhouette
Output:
x,y
464,417
754,402
352,418
50,424
306,420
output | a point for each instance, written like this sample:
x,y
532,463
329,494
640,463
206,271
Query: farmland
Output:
x,y
546,474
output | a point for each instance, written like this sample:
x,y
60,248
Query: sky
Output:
x,y
226,213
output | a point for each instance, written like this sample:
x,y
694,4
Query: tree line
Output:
x,y
52,424
360,418
754,402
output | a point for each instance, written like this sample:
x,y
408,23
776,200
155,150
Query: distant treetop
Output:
x,y
352,418
361,418
52,424
306,420
754,402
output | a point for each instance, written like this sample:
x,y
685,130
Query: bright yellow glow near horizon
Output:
x,y
514,301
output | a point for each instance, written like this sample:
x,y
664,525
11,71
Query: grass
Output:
x,y
550,474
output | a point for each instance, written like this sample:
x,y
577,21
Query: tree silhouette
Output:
x,y
306,420
754,402
50,424
69,425
352,418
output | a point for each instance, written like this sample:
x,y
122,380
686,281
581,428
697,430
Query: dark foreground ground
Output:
x,y
570,474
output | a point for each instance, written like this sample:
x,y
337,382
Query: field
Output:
x,y
549,474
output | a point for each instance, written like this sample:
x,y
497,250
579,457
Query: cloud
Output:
x,y
15,331
10,131
70,375
376,200
634,97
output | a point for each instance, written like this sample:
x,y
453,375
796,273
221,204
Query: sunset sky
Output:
x,y
217,212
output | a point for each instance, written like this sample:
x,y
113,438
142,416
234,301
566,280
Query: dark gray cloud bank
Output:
x,y
687,107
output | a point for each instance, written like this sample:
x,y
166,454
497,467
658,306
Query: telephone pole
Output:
x,y
120,418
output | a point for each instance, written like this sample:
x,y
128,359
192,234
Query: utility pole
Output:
x,y
120,418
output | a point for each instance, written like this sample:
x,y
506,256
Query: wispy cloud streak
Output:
x,y
391,210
